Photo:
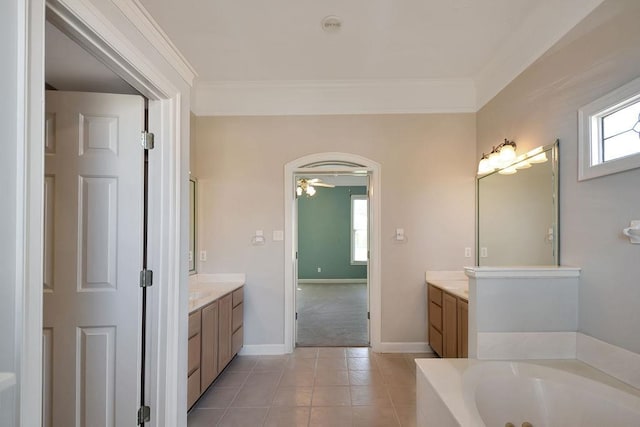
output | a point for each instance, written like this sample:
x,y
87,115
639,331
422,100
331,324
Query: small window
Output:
x,y
609,133
359,229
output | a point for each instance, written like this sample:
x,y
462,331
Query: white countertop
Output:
x,y
454,282
206,288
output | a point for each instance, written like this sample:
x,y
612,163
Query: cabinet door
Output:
x,y
224,330
209,333
449,328
463,328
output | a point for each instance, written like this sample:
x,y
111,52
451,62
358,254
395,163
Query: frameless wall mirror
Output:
x,y
192,225
517,212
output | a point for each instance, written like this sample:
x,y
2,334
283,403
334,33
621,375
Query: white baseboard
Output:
x,y
262,350
613,360
331,281
403,347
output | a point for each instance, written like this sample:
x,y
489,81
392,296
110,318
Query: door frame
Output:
x,y
168,112
345,163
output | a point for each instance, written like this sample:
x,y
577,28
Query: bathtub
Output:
x,y
465,392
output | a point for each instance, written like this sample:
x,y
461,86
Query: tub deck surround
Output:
x,y
205,288
522,312
454,282
446,389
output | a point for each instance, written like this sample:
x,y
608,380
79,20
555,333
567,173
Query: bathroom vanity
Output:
x,y
216,310
448,313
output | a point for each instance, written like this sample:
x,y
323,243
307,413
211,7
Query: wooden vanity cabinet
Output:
x,y
224,329
209,354
193,361
435,318
447,323
215,337
463,328
237,320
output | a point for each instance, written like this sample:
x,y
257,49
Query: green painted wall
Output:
x,y
324,235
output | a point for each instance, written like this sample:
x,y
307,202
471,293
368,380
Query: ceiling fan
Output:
x,y
307,186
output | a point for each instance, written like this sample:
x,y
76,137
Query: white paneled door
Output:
x,y
93,256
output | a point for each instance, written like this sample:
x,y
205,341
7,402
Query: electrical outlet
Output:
x,y
484,253
203,255
467,252
319,269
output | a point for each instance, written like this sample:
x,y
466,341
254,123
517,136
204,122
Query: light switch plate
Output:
x,y
278,235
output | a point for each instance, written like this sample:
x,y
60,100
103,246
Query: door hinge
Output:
x,y
144,415
146,139
369,315
296,316
146,278
296,254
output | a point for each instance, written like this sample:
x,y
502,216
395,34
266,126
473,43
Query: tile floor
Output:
x,y
327,386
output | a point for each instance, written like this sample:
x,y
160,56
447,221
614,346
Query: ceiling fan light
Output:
x,y
310,190
299,191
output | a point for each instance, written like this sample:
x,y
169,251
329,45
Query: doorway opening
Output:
x,y
95,228
332,292
326,165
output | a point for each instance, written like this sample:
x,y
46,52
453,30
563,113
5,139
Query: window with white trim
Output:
x,y
609,133
359,229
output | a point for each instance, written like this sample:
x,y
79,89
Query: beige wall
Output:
x,y
598,55
428,170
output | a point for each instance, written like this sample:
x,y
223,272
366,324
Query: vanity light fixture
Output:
x,y
500,156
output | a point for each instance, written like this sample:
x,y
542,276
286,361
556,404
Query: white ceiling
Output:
x,y
403,56
380,39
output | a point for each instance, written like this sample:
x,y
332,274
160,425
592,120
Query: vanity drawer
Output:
x,y
236,340
194,323
193,388
238,296
237,316
435,295
193,354
435,340
435,316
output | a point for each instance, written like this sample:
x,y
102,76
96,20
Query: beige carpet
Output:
x,y
332,315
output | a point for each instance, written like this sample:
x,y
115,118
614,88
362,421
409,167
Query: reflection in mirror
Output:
x,y
518,212
192,225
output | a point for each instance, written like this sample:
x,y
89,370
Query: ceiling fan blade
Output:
x,y
322,184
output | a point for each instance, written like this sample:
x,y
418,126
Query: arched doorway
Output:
x,y
332,163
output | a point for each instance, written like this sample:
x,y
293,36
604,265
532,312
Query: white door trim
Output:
x,y
167,317
298,166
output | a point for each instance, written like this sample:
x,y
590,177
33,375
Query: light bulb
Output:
x,y
299,191
494,160
311,191
484,166
507,154
539,158
508,171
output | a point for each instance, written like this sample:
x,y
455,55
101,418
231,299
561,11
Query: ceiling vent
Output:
x,y
331,24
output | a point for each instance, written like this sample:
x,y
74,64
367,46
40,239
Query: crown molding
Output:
x,y
135,12
544,27
270,98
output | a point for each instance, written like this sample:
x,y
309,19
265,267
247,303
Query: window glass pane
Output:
x,y
621,145
360,245
359,214
620,121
